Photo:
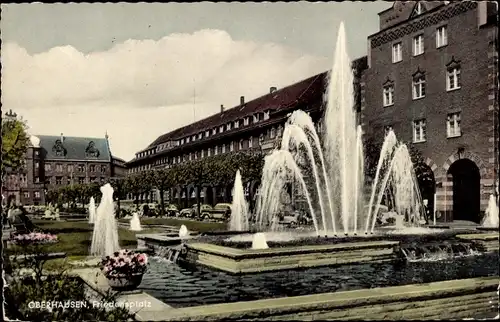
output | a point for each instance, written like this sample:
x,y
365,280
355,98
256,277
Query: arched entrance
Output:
x,y
466,190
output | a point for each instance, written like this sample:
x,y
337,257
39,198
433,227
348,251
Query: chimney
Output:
x,y
222,108
62,138
272,89
242,100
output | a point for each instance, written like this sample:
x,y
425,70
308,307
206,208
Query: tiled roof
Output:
x,y
287,97
74,148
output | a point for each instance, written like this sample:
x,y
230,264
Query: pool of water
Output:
x,y
191,286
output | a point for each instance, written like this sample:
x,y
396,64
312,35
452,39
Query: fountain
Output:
x,y
259,241
92,210
239,207
491,214
105,235
183,231
329,172
135,222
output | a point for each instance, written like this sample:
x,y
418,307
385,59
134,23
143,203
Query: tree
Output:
x,y
120,191
15,142
162,179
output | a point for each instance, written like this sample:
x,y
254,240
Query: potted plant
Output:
x,y
125,269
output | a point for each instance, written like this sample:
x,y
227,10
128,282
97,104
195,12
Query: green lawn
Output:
x,y
200,226
74,238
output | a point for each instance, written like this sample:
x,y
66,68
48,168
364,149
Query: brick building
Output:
x,y
432,77
56,161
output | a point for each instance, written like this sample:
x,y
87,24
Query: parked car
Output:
x,y
221,211
193,211
172,211
295,218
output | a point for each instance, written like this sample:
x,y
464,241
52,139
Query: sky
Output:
x,y
136,71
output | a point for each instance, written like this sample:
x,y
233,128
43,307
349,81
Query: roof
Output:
x,y
284,98
74,148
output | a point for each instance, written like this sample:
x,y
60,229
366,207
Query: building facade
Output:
x,y
253,127
56,161
432,78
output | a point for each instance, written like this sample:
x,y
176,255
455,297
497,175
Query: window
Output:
x,y
419,87
241,145
202,153
223,148
190,156
418,45
182,141
250,142
228,126
453,125
37,165
266,115
207,133
58,180
59,167
256,118
388,93
397,53
419,9
453,79
47,167
92,168
236,124
37,194
221,128
231,146
216,150
246,120
441,37
37,179
104,168
81,167
214,131
81,180
26,194
188,139
419,131
193,138
261,139
70,168
200,135
209,151
272,133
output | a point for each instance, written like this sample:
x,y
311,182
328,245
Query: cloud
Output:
x,y
140,89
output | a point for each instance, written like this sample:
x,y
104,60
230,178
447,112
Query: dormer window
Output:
x,y
228,126
207,133
246,120
188,139
182,141
266,115
236,124
221,128
419,9
200,135
256,118
214,131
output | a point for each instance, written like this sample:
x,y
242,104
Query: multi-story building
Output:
x,y
254,126
432,78
56,161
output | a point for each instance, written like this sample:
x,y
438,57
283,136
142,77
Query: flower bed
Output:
x,y
35,238
124,263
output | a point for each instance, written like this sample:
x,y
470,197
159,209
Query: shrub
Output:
x,y
124,263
